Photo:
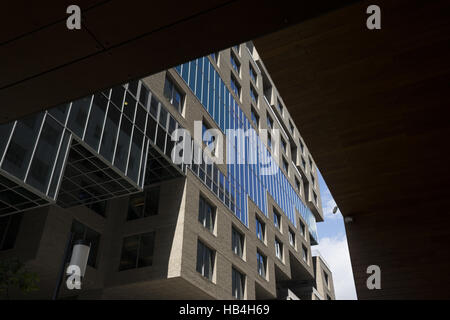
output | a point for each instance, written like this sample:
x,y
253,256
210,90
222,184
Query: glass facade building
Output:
x,y
243,179
92,149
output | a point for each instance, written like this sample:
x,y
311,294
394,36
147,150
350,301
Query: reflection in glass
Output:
x,y
45,155
78,115
22,143
121,156
96,119
110,133
135,155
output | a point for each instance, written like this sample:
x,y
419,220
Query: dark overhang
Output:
x,y
44,64
373,107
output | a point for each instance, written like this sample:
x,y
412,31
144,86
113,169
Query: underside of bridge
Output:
x,y
371,105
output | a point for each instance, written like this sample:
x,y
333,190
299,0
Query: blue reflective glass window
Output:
x,y
211,93
199,80
178,68
227,109
246,177
185,72
232,196
260,232
252,73
253,94
258,193
192,74
255,195
250,183
244,217
205,94
222,105
221,187
220,114
227,192
255,117
235,63
235,87
216,98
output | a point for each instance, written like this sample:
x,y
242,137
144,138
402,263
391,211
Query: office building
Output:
x,y
101,169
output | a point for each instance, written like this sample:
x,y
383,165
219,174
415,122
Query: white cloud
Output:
x,y
335,252
328,205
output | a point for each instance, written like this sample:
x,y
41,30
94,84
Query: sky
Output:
x,y
333,246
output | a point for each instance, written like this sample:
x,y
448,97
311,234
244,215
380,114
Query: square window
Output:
x,y
173,94
143,204
98,207
302,146
325,277
238,284
315,197
206,214
297,184
9,229
208,138
279,106
205,260
283,145
285,165
215,56
235,87
253,95
255,117
278,249
261,261
137,251
302,229
253,74
237,242
235,64
269,121
291,237
277,220
291,126
260,230
304,254
294,153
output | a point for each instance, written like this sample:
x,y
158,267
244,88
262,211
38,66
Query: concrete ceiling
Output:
x,y
44,64
374,110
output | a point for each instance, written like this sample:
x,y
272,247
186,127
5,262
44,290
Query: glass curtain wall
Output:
x,y
243,179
